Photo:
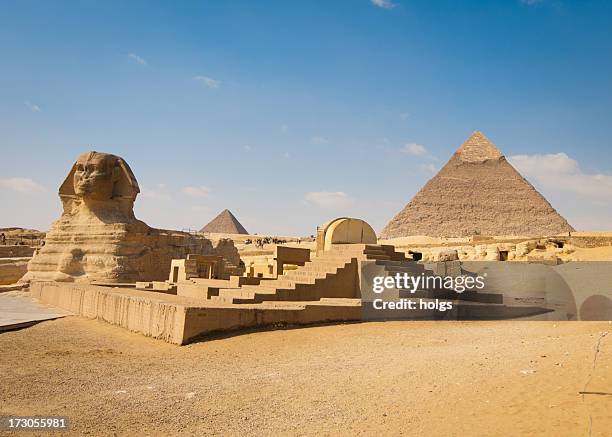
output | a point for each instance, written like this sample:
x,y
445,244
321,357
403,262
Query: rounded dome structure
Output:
x,y
345,230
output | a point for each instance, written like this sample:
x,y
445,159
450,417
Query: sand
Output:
x,y
592,254
410,378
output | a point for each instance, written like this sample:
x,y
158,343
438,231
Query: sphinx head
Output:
x,y
95,176
100,177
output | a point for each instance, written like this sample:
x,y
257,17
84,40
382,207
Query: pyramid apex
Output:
x,y
478,148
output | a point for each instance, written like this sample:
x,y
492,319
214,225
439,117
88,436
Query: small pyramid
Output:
x,y
477,192
224,223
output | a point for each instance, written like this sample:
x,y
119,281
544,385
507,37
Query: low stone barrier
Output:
x,y
179,320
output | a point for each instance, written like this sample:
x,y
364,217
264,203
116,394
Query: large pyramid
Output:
x,y
224,223
477,192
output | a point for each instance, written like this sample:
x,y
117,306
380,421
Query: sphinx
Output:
x,y
98,238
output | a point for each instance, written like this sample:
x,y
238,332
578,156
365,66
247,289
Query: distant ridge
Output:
x,y
224,223
477,192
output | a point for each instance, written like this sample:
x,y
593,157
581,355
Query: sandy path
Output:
x,y
410,378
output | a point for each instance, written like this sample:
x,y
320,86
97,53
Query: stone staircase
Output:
x,y
333,277
332,274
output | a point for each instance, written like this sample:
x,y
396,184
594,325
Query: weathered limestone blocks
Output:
x,y
12,269
231,264
543,257
500,251
98,237
446,255
14,262
16,251
179,320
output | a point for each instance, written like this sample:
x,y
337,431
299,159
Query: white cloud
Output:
x,y
319,140
429,168
404,115
159,193
561,173
31,106
385,4
137,59
329,199
284,128
414,149
531,2
247,148
208,81
21,185
197,191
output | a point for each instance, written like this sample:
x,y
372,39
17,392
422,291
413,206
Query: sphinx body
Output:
x,y
98,238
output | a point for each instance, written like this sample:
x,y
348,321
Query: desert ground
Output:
x,y
407,378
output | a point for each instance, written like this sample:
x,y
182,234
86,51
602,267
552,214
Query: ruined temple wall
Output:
x,y
17,251
12,269
589,241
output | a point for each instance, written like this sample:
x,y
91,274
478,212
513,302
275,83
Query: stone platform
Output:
x,y
180,320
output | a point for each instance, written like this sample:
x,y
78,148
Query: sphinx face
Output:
x,y
95,175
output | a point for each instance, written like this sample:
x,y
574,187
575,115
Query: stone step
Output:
x,y
411,270
354,247
289,283
315,268
382,257
394,262
243,297
242,293
321,267
254,288
297,274
224,299
251,297
330,259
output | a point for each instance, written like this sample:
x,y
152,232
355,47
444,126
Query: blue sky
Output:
x,y
291,113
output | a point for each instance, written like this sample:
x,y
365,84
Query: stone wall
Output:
x,y
590,241
12,269
179,320
17,251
